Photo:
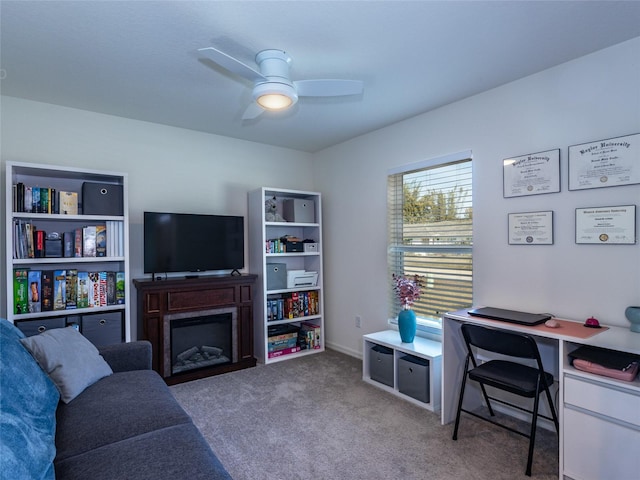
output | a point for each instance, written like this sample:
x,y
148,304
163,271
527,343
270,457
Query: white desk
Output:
x,y
599,416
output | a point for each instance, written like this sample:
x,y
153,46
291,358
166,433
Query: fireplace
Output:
x,y
200,339
169,309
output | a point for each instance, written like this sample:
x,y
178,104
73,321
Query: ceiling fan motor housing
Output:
x,y
274,65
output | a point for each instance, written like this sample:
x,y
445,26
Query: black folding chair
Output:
x,y
510,376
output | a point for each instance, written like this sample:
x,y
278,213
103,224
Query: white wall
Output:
x,y
591,98
169,169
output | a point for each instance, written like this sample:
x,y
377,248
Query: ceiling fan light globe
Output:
x,y
275,96
274,101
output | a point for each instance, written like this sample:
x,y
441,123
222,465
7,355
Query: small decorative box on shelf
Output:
x,y
310,247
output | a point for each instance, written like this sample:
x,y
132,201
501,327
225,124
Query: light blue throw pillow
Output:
x,y
28,401
70,360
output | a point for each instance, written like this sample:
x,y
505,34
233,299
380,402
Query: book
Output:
x,y
46,290
20,190
35,200
28,199
69,243
29,239
71,292
20,295
101,241
59,289
34,281
109,234
38,240
111,288
286,351
102,289
44,200
77,244
20,239
315,302
295,310
89,241
269,310
68,203
120,293
114,243
94,289
282,344
284,336
120,239
310,335
53,201
83,290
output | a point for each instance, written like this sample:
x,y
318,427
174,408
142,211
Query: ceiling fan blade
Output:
x,y
232,64
253,111
328,87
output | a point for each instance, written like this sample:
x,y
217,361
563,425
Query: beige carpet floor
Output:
x,y
314,418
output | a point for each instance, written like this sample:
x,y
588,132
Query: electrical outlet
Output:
x,y
358,321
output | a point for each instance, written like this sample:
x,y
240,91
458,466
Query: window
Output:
x,y
430,234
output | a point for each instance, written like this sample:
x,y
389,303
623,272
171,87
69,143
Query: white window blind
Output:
x,y
430,234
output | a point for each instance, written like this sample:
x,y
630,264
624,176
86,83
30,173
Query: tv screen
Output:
x,y
183,242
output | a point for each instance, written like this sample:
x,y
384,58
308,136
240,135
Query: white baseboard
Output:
x,y
346,351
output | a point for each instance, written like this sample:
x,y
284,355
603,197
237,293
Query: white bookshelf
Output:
x,y
65,179
260,232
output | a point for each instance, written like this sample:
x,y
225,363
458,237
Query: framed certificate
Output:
x,y
605,163
532,228
531,174
606,225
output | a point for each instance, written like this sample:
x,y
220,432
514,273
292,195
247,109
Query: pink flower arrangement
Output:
x,y
408,289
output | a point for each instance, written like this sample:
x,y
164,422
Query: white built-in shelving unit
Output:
x,y
261,259
117,260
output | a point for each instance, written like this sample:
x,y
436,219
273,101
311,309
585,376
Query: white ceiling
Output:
x,y
139,59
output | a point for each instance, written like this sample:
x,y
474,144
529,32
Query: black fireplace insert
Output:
x,y
200,339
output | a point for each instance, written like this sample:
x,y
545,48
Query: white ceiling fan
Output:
x,y
273,88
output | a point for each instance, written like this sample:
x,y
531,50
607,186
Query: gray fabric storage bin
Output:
x,y
102,328
34,327
413,377
299,210
102,199
276,276
381,364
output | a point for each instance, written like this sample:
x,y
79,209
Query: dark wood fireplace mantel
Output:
x,y
162,298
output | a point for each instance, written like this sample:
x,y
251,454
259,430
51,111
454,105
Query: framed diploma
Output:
x,y
532,228
531,174
605,163
606,225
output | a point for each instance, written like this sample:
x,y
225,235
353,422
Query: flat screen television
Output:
x,y
185,242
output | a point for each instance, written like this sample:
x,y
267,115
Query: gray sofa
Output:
x,y
126,425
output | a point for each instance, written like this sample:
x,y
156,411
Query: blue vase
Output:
x,y
407,325
633,315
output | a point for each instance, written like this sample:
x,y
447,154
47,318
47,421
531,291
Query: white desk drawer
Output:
x,y
595,449
603,399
